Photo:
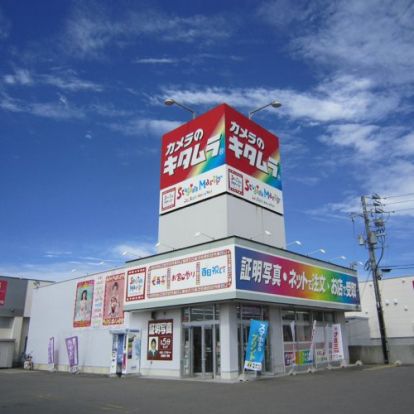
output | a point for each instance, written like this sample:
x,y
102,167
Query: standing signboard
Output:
x,y
337,345
51,352
72,350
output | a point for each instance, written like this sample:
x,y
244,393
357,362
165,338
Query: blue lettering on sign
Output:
x,y
213,271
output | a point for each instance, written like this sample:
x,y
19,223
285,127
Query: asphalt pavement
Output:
x,y
364,390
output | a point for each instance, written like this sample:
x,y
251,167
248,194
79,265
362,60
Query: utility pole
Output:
x,y
371,241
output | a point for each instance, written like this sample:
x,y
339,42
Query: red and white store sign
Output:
x,y
203,157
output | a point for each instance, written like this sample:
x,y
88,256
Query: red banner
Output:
x,y
3,291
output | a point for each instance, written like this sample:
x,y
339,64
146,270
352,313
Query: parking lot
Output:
x,y
375,389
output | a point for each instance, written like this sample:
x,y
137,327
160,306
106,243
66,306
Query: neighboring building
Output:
x,y
397,296
222,262
15,308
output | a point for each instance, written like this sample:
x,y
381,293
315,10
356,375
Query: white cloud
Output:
x,y
10,104
71,83
109,110
405,146
133,250
65,80
5,26
373,37
152,127
363,138
156,61
55,111
90,29
342,98
20,77
282,13
58,110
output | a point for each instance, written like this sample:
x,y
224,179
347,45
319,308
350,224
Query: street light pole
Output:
x,y
273,104
371,242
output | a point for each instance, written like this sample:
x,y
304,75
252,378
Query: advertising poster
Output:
x,y
3,291
256,345
113,311
135,284
337,345
273,275
253,158
97,308
51,351
304,357
199,273
160,340
83,304
190,159
290,358
72,350
301,357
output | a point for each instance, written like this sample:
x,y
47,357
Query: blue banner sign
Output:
x,y
256,345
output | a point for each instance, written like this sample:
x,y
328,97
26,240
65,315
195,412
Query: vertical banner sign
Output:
x,y
337,345
3,291
83,304
160,340
256,345
293,330
97,308
313,340
51,351
72,349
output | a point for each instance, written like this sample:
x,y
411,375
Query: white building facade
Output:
x,y
397,295
221,263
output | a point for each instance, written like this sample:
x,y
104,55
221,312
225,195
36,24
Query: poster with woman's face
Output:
x,y
113,313
83,304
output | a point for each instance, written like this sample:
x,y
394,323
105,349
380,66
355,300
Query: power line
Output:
x,y
396,196
399,202
401,209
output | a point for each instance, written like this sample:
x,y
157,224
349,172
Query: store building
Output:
x,y
15,310
221,262
397,296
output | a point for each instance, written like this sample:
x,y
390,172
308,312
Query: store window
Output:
x,y
297,337
201,313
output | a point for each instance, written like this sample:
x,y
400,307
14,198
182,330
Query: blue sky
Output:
x,y
82,85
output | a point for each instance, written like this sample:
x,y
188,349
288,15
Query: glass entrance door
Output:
x,y
201,351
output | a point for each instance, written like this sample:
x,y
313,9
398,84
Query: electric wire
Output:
x,y
396,196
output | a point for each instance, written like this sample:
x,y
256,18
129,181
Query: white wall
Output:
x,y
398,305
52,316
139,320
220,217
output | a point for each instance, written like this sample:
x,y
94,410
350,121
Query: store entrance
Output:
x,y
201,351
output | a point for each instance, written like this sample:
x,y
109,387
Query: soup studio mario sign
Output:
x,y
220,151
